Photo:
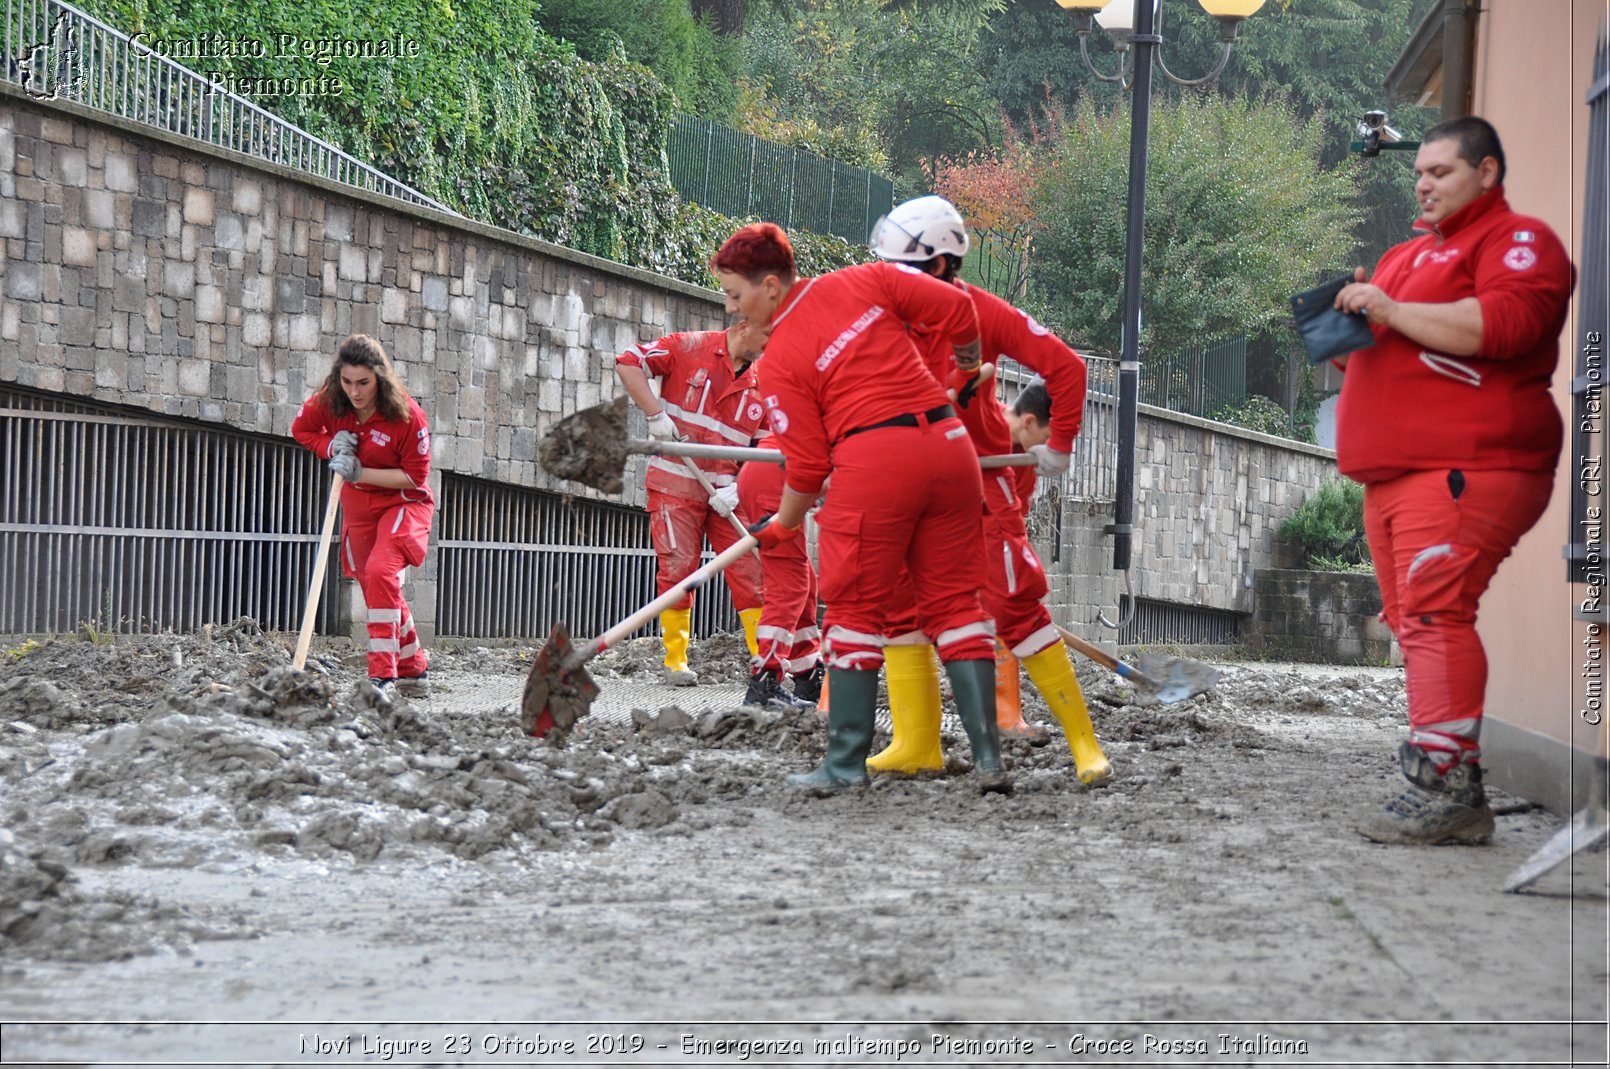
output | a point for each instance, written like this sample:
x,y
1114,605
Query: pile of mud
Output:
x,y
209,749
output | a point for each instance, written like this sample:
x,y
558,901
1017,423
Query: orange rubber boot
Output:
x,y
1009,697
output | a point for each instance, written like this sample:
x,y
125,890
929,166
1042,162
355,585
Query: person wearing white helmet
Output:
x,y
929,234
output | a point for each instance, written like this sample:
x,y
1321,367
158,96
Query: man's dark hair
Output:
x,y
1034,400
1477,140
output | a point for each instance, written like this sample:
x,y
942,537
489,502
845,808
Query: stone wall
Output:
x,y
1319,616
1208,501
142,271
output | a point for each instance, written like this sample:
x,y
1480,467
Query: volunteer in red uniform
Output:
x,y
375,437
929,234
847,394
1448,422
707,394
788,638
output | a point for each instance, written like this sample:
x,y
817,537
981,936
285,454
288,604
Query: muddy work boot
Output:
x,y
1438,808
808,685
766,692
972,684
849,735
414,686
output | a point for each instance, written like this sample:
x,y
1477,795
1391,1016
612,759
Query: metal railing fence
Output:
x,y
135,524
1093,473
1198,381
512,562
740,175
54,51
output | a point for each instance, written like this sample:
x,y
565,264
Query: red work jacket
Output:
x,y
707,401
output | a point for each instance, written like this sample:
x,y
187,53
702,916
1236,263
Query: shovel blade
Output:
x,y
1587,828
1177,678
558,692
589,447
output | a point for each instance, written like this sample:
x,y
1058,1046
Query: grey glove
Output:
x,y
344,442
661,429
346,465
724,499
1049,462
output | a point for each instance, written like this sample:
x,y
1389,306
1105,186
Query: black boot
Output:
x,y
766,691
808,685
972,683
1437,809
849,734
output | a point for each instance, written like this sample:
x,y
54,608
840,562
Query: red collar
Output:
x,y
1490,201
791,298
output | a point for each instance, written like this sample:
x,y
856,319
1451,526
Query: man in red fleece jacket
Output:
x,y
1448,422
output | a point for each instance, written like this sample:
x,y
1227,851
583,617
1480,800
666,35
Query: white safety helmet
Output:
x,y
920,229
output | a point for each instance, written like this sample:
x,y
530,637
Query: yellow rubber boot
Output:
x,y
914,705
1052,672
751,620
1009,697
676,630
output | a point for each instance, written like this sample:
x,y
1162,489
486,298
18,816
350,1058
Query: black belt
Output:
x,y
908,419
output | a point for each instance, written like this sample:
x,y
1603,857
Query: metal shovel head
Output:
x,y
589,447
557,692
1176,678
1587,828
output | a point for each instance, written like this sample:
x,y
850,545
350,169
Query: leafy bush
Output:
x,y
695,233
1256,413
1329,527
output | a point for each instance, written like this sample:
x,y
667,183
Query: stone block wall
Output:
x,y
1319,616
1208,501
139,270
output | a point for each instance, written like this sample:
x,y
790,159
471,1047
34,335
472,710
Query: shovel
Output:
x,y
591,447
558,692
1162,679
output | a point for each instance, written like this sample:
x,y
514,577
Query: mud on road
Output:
x,y
195,832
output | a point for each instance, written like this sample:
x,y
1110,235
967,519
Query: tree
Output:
x,y
995,194
1240,215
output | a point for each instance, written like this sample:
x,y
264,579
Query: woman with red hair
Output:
x,y
847,394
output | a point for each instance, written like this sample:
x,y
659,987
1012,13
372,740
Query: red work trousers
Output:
x,y
679,527
903,498
787,635
377,543
1437,537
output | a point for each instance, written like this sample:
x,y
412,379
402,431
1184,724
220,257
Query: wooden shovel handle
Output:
x,y
315,584
1105,659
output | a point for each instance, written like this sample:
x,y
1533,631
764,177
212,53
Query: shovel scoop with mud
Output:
x,y
592,447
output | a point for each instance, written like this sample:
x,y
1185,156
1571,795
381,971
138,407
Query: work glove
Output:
x,y
344,442
346,465
1049,462
724,500
772,534
661,429
963,385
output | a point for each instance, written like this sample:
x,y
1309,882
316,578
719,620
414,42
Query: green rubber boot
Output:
x,y
849,733
972,683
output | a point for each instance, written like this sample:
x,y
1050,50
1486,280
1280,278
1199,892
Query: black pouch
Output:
x,y
1326,331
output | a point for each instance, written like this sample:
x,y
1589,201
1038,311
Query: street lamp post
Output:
x,y
1134,25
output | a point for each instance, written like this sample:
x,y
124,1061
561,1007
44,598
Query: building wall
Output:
x,y
1533,69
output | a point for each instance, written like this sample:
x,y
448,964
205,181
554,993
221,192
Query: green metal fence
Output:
x,y
1197,381
738,174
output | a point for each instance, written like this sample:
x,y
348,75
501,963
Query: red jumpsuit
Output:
x,y
846,392
383,530
1457,454
787,634
709,404
1016,585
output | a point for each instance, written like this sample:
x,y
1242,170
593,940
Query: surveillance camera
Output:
x,y
1374,120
